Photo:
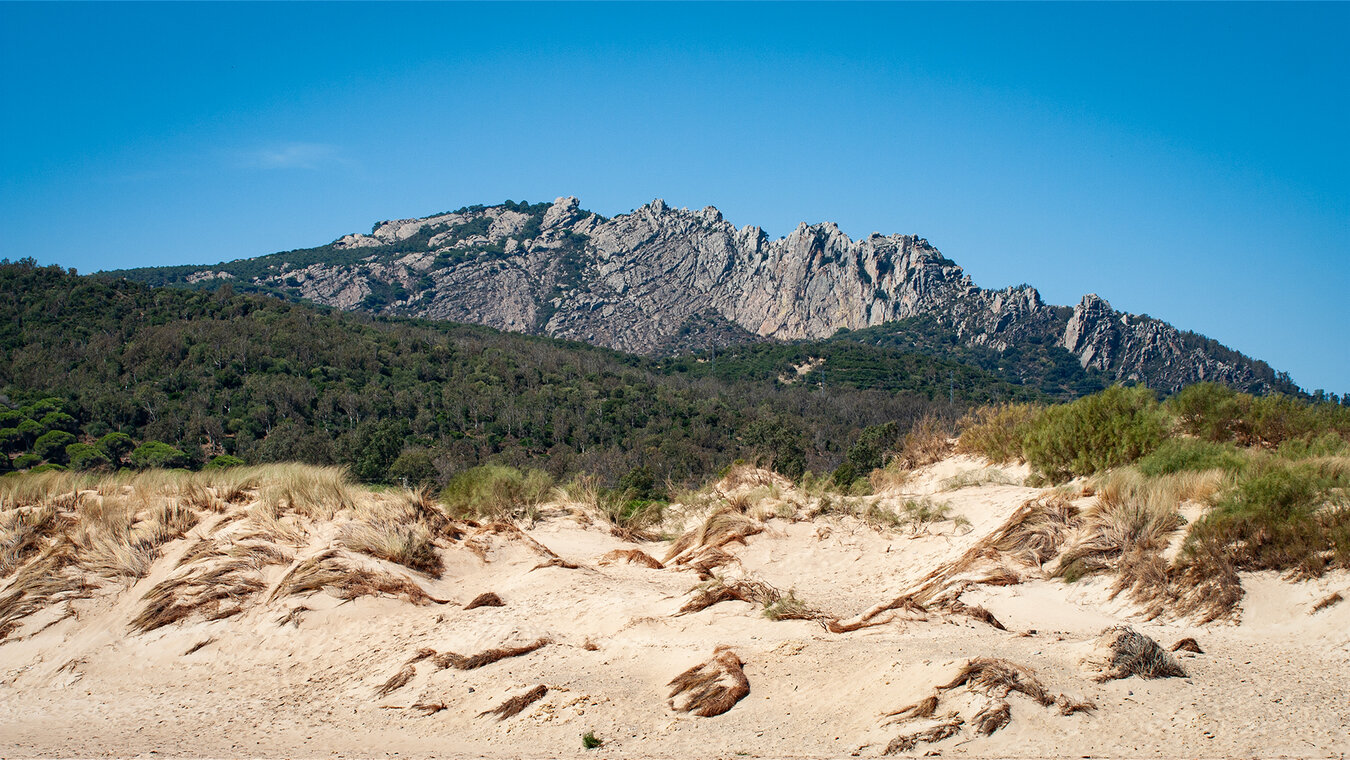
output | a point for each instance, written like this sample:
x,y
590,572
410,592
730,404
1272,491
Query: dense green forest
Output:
x,y
102,372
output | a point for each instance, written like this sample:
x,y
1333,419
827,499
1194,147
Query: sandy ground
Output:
x,y
1273,685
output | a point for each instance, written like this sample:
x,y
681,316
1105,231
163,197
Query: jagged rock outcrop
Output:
x,y
663,280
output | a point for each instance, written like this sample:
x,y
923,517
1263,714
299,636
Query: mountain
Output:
x,y
663,281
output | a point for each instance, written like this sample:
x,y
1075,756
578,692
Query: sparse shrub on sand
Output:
x,y
997,433
589,741
928,442
494,492
710,688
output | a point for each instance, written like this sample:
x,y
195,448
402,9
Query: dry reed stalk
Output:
x,y
199,645
1335,598
427,708
487,599
924,708
513,706
870,617
396,681
710,688
632,557
487,657
1121,652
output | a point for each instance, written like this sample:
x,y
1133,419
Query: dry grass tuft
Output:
x,y
749,476
1122,652
632,557
994,716
208,590
427,708
999,678
924,708
293,617
1030,537
710,688
409,545
199,645
1069,705
722,527
513,706
472,662
872,617
396,681
486,599
929,441
1335,598
944,730
1187,645
720,590
329,572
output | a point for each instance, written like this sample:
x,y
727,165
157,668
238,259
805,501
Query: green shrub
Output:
x,y
59,421
52,445
1327,444
1288,516
30,431
223,461
11,440
1191,454
1210,411
1097,432
84,456
11,418
495,491
414,468
998,433
25,461
157,454
589,741
116,446
48,467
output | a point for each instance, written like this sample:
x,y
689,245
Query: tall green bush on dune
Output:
x,y
1095,433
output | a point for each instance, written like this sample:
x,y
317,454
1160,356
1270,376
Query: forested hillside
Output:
x,y
95,369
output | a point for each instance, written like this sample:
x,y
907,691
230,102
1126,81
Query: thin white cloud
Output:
x,y
296,155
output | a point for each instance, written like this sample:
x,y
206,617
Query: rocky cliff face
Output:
x,y
664,280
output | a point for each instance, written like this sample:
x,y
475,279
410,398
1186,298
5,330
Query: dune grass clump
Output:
x,y
1121,652
332,573
515,705
725,525
993,678
710,688
632,557
486,599
495,492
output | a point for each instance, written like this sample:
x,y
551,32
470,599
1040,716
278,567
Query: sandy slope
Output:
x,y
1273,685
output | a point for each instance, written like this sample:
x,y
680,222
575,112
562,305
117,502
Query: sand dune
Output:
x,y
370,659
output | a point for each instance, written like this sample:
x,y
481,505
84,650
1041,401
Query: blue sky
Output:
x,y
1188,161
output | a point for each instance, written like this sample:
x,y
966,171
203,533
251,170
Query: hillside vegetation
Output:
x,y
101,373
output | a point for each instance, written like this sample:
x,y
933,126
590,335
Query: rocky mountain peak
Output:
x,y
662,279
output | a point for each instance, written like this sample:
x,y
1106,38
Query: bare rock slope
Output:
x,y
663,280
